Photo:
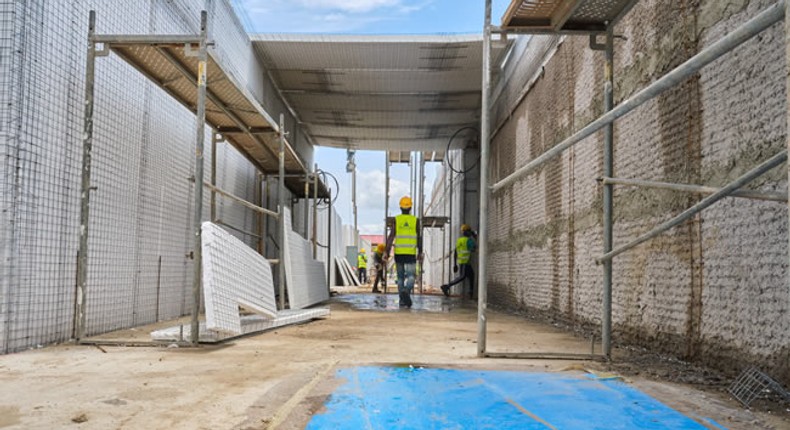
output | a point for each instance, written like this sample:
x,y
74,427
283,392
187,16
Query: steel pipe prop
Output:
x,y
749,176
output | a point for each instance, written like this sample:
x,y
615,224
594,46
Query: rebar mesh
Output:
x,y
440,243
753,384
143,154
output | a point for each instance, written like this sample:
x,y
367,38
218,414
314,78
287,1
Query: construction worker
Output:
x,y
362,266
408,249
464,247
381,268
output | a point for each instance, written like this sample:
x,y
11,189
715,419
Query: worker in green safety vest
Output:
x,y
362,266
464,247
405,239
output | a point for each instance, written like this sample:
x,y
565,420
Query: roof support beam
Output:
x,y
382,93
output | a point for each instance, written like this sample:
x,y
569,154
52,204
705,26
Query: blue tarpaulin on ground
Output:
x,y
427,398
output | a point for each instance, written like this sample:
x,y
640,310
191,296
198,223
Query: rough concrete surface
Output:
x,y
713,290
280,378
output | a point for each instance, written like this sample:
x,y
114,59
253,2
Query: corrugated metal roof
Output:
x,y
396,93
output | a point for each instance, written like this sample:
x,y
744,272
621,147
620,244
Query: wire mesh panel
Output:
x,y
141,232
753,384
305,277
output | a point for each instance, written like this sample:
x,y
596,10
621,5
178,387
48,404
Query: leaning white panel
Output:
x,y
233,275
305,277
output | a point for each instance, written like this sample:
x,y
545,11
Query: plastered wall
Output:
x,y
714,290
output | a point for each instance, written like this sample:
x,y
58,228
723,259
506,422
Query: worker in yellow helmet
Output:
x,y
362,266
406,240
381,268
464,247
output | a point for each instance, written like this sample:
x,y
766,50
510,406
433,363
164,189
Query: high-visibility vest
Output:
x,y
462,252
362,261
405,235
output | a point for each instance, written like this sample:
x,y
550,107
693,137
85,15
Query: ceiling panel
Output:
x,y
378,92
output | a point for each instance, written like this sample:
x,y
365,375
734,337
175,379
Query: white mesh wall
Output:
x,y
438,245
305,277
141,212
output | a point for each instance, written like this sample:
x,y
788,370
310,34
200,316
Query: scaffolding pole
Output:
x,y
749,176
696,189
200,134
608,190
746,31
330,264
260,227
281,211
239,200
421,198
315,212
787,93
87,147
213,176
386,212
485,136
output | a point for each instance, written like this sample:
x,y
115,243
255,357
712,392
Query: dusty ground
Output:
x,y
279,379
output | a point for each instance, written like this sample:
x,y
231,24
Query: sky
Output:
x,y
367,17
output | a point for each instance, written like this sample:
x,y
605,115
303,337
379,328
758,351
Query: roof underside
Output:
x,y
557,16
398,93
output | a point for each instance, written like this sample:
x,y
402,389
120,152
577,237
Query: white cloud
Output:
x,y
370,189
355,6
325,16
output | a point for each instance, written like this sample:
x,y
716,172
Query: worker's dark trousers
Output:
x,y
381,276
465,273
363,275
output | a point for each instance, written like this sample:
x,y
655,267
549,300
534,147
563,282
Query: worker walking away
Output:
x,y
381,268
405,238
464,247
362,266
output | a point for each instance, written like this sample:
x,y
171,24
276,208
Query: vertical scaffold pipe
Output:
x,y
608,190
485,136
281,218
87,146
213,205
787,95
200,134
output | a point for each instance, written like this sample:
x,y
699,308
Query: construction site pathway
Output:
x,y
287,377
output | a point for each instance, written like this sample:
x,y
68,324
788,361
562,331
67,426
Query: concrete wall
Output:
x,y
714,290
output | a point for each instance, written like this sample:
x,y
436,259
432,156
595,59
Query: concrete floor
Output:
x,y
280,379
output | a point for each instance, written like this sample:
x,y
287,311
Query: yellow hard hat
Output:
x,y
380,248
362,251
405,202
465,227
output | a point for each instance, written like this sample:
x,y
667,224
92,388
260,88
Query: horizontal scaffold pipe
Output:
x,y
749,176
751,28
240,200
697,189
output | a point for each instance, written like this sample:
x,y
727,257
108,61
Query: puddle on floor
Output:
x,y
390,302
